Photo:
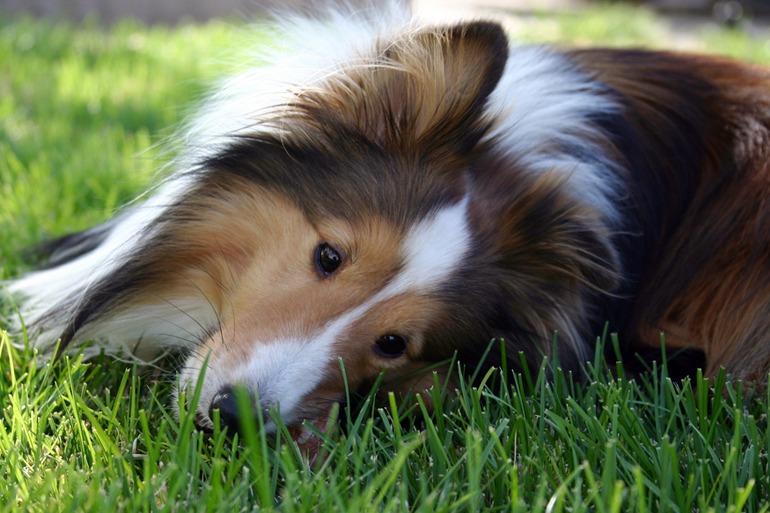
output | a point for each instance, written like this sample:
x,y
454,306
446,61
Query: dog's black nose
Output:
x,y
225,401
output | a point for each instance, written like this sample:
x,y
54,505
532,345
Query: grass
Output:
x,y
82,109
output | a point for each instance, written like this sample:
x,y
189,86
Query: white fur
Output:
x,y
304,54
42,290
433,248
543,105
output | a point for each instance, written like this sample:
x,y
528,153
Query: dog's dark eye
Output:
x,y
327,259
390,346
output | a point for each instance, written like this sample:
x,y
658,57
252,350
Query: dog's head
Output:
x,y
369,227
344,227
370,230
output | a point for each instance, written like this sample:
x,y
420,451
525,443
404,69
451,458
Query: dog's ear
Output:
x,y
424,90
441,80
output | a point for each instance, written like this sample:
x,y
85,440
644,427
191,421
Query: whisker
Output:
x,y
204,330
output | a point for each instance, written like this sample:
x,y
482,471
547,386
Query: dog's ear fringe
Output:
x,y
424,89
440,81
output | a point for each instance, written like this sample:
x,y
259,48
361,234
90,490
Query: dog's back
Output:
x,y
696,152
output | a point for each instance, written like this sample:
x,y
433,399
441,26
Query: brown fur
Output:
x,y
707,282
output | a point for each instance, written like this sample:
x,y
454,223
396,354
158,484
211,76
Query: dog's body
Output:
x,y
388,194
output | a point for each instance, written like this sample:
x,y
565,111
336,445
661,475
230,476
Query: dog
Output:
x,y
384,195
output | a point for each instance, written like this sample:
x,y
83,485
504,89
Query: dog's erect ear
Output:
x,y
424,89
442,79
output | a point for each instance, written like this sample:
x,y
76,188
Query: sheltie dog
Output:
x,y
385,194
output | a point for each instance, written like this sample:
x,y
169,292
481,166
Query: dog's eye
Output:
x,y
327,259
390,346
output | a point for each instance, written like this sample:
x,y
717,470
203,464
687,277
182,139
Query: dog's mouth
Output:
x,y
308,434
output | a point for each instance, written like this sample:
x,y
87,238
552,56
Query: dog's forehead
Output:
x,y
341,176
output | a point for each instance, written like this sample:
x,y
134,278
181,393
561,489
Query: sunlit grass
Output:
x,y
82,110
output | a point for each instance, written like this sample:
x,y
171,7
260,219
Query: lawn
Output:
x,y
83,113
